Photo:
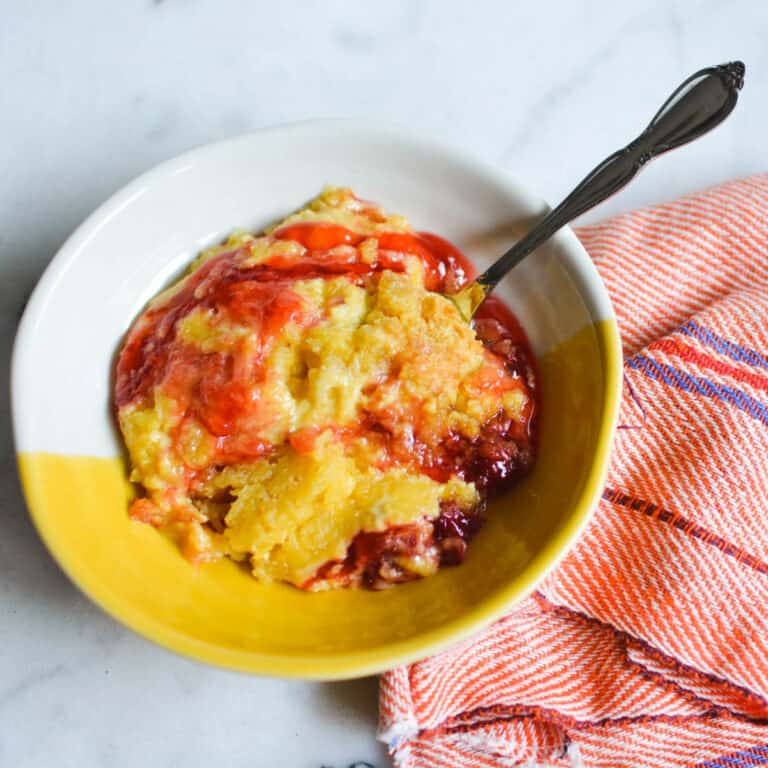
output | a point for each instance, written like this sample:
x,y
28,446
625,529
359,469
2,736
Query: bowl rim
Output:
x,y
359,663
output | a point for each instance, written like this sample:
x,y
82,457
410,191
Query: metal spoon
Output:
x,y
700,103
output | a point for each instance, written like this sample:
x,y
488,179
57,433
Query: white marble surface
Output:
x,y
95,92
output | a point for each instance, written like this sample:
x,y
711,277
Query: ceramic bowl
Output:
x,y
70,454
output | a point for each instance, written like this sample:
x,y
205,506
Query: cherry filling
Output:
x,y
379,559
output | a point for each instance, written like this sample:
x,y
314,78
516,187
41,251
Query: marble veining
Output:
x,y
95,93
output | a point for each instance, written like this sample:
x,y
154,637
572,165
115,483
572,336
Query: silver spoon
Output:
x,y
700,103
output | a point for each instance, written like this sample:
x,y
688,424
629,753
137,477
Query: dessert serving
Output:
x,y
311,402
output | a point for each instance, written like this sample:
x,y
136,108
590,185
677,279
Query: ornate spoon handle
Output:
x,y
700,103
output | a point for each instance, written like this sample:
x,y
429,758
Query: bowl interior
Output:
x,y
70,453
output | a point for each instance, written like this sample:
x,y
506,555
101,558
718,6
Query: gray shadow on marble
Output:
x,y
28,571
355,702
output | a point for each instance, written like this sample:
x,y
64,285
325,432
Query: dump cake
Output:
x,y
308,401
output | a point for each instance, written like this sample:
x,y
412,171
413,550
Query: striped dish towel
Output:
x,y
648,646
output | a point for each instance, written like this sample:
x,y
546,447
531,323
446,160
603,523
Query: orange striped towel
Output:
x,y
648,646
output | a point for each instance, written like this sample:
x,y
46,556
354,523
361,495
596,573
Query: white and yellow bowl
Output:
x,y
70,455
